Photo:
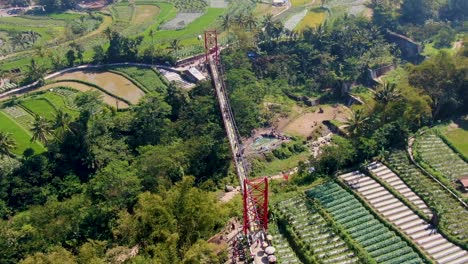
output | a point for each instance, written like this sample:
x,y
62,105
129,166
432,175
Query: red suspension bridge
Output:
x,y
255,191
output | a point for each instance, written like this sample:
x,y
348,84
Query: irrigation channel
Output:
x,y
256,232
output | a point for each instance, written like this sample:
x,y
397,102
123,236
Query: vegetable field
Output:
x,y
19,134
312,229
284,252
453,216
433,151
382,244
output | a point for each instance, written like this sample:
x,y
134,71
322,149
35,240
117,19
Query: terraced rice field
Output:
x,y
148,78
312,229
454,217
402,217
284,252
19,134
40,106
111,82
382,244
434,152
83,88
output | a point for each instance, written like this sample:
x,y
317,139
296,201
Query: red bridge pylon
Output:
x,y
255,198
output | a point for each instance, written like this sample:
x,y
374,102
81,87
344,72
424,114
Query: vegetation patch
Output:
x,y
434,152
453,215
19,134
379,241
313,19
180,21
148,78
40,106
458,138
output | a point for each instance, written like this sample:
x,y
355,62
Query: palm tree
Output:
x,y
386,93
7,144
226,22
240,20
250,21
108,32
356,121
175,45
62,122
151,34
41,129
267,22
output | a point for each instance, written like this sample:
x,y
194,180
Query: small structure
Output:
x,y
194,75
464,182
280,2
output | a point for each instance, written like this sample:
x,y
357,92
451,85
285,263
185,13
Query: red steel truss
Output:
x,y
211,44
255,198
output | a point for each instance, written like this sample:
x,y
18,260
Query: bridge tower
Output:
x,y
211,45
255,200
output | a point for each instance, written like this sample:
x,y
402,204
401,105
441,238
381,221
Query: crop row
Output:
x,y
433,151
453,216
310,227
382,244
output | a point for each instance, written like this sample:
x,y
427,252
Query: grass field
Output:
x,y
314,17
20,134
278,165
189,34
40,106
301,2
459,138
146,77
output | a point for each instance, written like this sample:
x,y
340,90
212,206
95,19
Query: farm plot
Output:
x,y
21,33
19,133
382,244
111,82
314,18
145,16
40,106
295,19
457,137
453,216
20,116
433,151
180,21
312,229
284,252
148,78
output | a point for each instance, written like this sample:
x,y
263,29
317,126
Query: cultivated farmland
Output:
x,y
284,252
453,216
401,216
148,78
313,230
19,133
113,83
108,99
433,151
382,244
314,18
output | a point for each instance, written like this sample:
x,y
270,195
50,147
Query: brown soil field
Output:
x,y
111,82
303,123
83,88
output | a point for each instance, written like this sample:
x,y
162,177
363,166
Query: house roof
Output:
x,y
464,181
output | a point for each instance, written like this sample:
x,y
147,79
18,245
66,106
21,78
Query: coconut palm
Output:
x,y
356,121
250,21
175,45
41,129
386,93
226,21
240,20
62,122
7,144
